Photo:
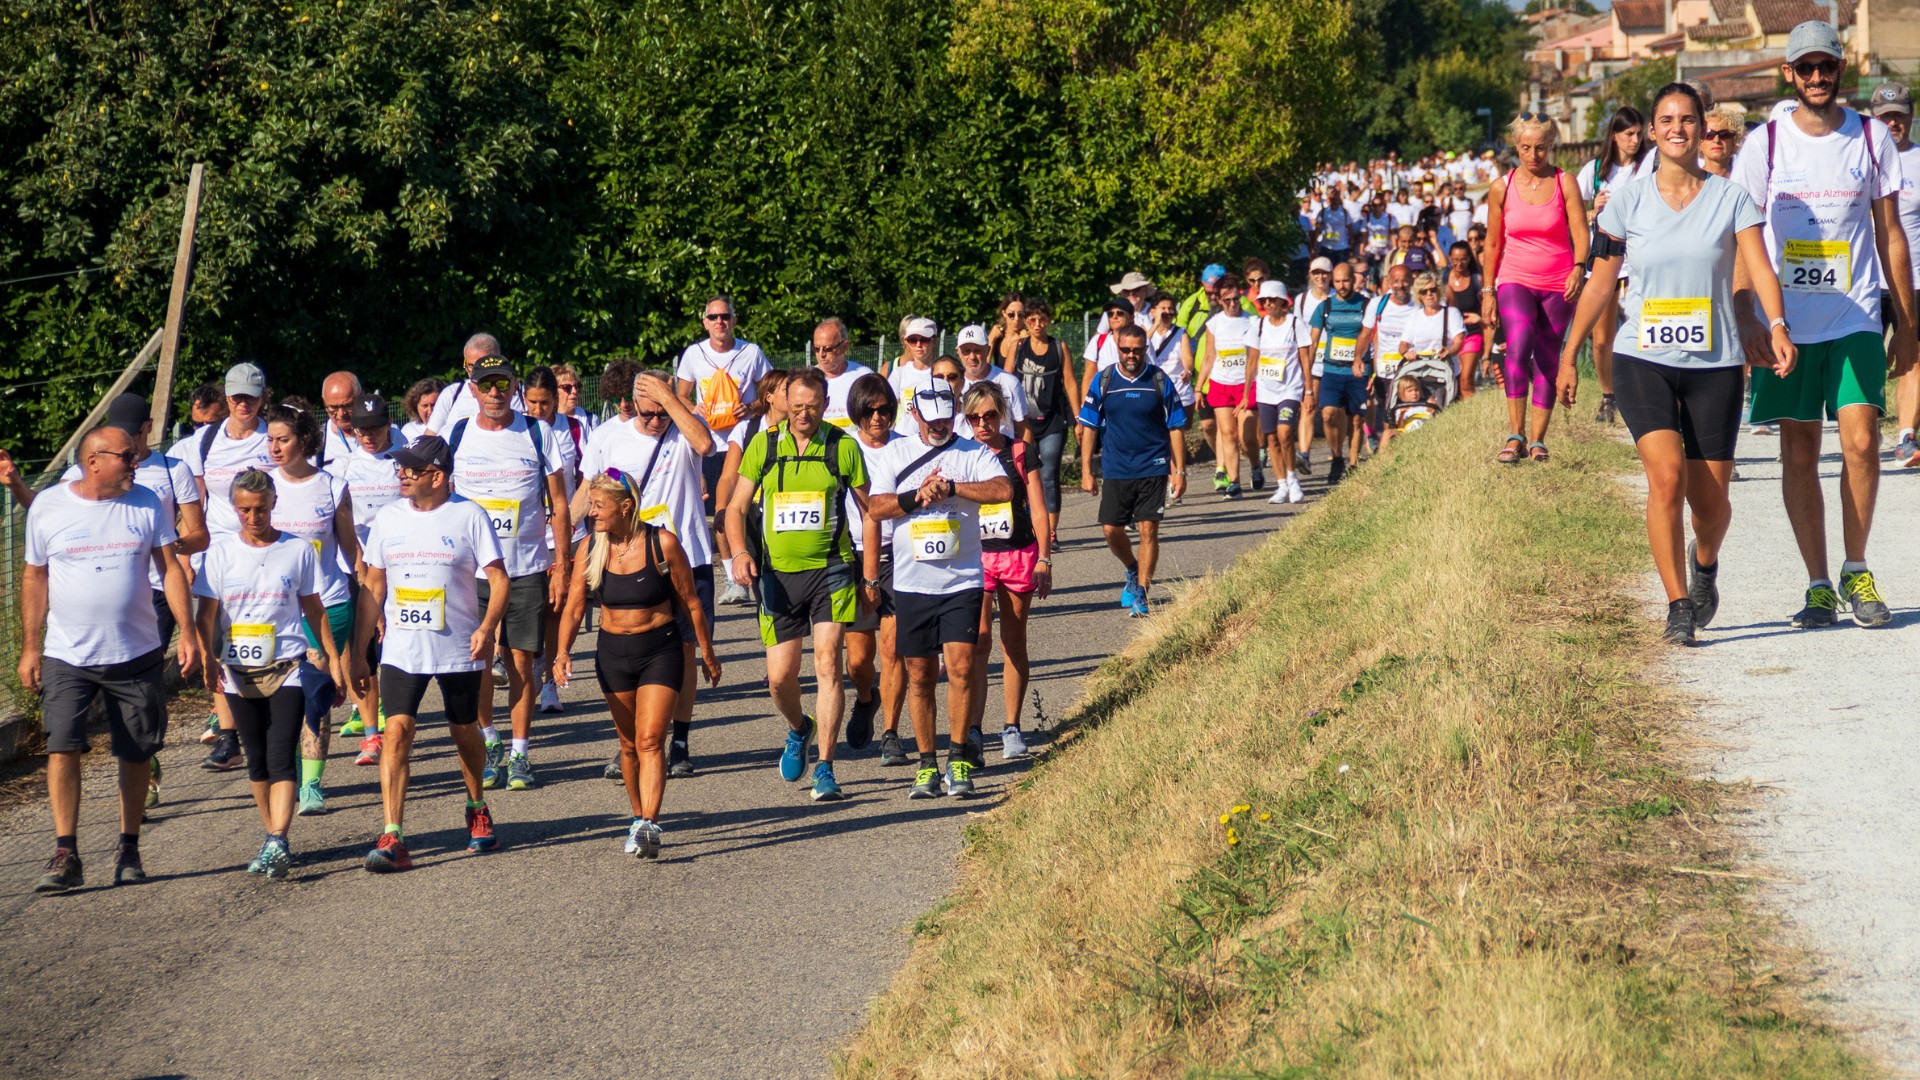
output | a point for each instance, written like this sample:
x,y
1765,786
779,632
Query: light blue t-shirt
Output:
x,y
1684,255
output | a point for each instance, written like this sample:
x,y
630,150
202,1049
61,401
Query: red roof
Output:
x,y
1726,31
1642,15
1780,16
1729,10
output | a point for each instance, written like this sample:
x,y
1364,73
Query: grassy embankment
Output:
x,y
1394,795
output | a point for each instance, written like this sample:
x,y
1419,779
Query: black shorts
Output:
x,y
525,626
867,622
1702,404
135,699
1272,416
401,691
1123,502
923,622
703,588
792,603
626,662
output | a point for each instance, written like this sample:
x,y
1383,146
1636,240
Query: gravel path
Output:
x,y
749,951
1817,720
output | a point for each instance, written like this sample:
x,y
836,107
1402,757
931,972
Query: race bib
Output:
x,y
503,515
934,539
1816,266
659,517
1230,364
1343,351
996,521
1273,368
251,645
1388,364
799,511
421,609
1677,324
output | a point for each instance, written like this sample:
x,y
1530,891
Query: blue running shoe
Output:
x,y
494,773
825,788
1131,589
1140,609
793,759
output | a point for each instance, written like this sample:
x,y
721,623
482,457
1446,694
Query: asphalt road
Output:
x,y
748,950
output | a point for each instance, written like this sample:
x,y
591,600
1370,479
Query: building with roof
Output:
x,y
1636,24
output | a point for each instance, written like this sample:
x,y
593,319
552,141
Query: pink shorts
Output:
x,y
1473,343
1225,397
1012,570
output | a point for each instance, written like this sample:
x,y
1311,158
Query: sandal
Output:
x,y
1538,452
1508,455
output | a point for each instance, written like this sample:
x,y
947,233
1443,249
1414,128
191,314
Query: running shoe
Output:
x,y
1140,608
354,728
632,845
211,733
793,758
126,866
519,772
63,872
1906,451
959,779
926,783
312,800
226,755
275,860
1868,608
678,761
1703,589
480,836
1219,479
825,787
1337,471
1605,413
389,855
1012,743
1259,478
891,752
973,750
1279,495
153,783
494,773
369,751
1821,605
499,674
550,698
643,839
1233,491
860,721
1679,623
1128,590
1302,464
734,593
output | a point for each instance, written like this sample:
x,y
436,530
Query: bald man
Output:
x,y
337,439
460,401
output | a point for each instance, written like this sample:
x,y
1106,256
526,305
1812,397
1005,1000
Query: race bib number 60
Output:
x,y
934,539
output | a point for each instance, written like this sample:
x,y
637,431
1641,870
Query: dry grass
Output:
x,y
1460,829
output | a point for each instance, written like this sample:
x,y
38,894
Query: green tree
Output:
x,y
1449,92
1634,86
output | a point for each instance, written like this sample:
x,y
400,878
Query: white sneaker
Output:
x,y
549,698
1279,496
1294,494
734,594
1012,744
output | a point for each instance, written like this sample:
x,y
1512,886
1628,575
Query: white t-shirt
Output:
x,y
837,388
1231,333
671,496
184,449
1010,387
499,471
745,363
413,429
170,479
1910,206
433,605
458,401
259,589
373,481
936,549
305,509
1280,377
906,380
97,554
1304,306
1102,351
1387,318
854,516
227,458
1431,333
1819,230
1164,352
336,447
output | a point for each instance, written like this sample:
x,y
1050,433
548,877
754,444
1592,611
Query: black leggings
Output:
x,y
270,732
1702,404
626,662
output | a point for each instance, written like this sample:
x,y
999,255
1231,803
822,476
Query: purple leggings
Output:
x,y
1535,324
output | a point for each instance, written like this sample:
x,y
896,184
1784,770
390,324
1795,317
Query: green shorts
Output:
x,y
1832,374
340,621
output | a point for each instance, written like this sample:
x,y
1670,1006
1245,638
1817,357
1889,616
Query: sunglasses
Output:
x,y
1529,117
887,412
1808,68
655,415
990,417
828,350
569,387
494,385
718,316
408,472
917,340
1721,133
1124,351
127,457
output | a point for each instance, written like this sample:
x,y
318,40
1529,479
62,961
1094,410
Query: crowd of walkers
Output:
x,y
312,556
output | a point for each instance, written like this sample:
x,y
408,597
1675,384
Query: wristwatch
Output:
x,y
870,583
1781,323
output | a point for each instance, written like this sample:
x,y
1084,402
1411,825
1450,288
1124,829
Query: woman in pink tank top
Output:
x,y
1536,241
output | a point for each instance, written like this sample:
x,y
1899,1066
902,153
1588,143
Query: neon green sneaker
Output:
x,y
1864,597
1821,605
926,784
354,728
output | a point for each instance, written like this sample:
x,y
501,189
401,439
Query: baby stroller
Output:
x,y
1435,374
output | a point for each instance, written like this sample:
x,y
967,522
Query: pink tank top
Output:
x,y
1537,251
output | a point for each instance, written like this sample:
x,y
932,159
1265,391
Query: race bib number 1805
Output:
x,y
1685,323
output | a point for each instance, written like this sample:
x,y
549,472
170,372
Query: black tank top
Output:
x,y
1022,513
1039,375
644,588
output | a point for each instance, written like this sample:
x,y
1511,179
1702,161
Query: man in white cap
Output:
x,y
976,361
1892,104
914,371
1827,181
1135,289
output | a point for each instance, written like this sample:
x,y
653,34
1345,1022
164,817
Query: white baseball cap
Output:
x,y
974,334
923,327
1272,289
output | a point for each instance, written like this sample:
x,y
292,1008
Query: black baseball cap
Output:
x,y
489,366
129,413
369,411
425,452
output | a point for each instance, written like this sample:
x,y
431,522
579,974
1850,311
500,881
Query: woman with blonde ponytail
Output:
x,y
639,575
